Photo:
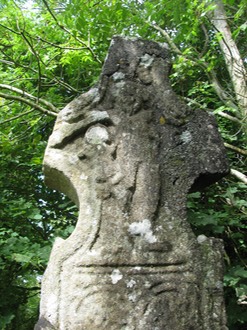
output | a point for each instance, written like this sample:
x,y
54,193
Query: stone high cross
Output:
x,y
128,152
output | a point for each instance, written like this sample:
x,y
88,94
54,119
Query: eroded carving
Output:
x,y
127,153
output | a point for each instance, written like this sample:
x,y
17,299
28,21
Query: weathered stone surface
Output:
x,y
127,153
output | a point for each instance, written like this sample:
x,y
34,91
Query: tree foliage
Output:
x,y
50,52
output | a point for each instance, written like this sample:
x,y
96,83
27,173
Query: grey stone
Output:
x,y
127,153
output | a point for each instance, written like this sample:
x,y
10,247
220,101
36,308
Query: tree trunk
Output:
x,y
234,62
127,153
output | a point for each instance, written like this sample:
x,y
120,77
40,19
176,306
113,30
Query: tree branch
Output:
x,y
6,62
206,43
170,42
33,51
16,117
56,45
17,64
227,116
239,150
71,34
242,177
9,29
29,96
60,82
28,102
223,96
220,113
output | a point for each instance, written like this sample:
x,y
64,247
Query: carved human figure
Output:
x,y
127,152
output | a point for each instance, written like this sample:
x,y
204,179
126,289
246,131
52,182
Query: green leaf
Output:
x,y
23,258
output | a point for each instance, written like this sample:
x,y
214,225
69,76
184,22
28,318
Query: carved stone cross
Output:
x,y
128,152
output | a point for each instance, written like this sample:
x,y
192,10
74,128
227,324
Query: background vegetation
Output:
x,y
50,52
